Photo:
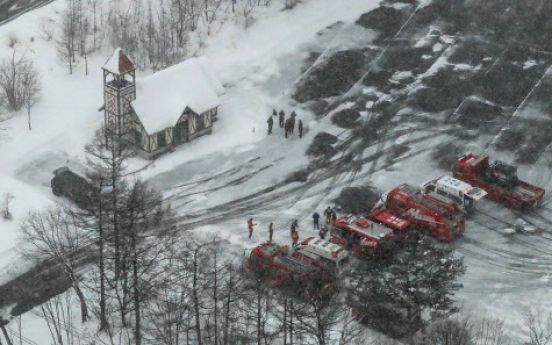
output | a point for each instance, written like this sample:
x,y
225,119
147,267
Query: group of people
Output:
x,y
329,213
287,124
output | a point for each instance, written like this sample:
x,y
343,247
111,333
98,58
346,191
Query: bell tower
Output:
x,y
119,79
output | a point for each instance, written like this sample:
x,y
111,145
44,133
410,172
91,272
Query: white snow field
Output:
x,y
217,182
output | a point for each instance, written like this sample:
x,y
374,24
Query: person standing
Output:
x,y
274,113
282,118
270,232
270,122
334,215
250,226
293,227
300,129
294,238
315,218
328,214
286,128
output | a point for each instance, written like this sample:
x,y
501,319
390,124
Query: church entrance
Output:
x,y
180,132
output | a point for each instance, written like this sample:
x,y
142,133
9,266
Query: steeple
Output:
x,y
118,63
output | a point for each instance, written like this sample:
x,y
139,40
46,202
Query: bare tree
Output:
x,y
16,75
66,44
55,234
6,214
539,327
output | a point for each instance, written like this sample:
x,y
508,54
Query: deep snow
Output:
x,y
207,178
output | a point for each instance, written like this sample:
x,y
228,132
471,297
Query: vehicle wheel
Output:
x,y
56,191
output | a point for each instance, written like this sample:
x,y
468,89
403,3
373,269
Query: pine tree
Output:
x,y
401,283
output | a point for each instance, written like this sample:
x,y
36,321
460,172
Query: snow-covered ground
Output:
x,y
217,182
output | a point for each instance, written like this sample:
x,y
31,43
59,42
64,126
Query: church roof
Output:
x,y
162,97
118,63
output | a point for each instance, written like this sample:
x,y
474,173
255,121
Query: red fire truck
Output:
x,y
320,253
444,220
499,180
362,233
281,267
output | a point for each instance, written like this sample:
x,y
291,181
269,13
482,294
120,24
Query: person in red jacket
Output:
x,y
295,238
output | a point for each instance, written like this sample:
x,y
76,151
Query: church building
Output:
x,y
163,110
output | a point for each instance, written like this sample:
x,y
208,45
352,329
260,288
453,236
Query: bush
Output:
x,y
445,155
432,100
318,107
377,78
342,70
406,58
345,118
476,114
472,52
508,84
509,139
357,200
386,20
321,145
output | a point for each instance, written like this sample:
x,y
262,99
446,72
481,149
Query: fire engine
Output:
x,y
460,192
499,180
444,220
320,253
362,233
281,267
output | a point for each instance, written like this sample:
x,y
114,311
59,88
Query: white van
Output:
x,y
455,190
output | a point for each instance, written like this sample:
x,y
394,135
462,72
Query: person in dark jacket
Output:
x,y
300,129
294,226
334,215
274,112
287,127
315,218
270,232
282,118
270,124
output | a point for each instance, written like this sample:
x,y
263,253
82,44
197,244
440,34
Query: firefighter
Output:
x,y
334,215
315,218
322,233
282,118
270,124
270,232
294,226
300,129
294,238
328,214
250,226
274,112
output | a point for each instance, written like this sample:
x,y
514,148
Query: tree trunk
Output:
x,y
197,325
6,335
137,329
103,313
29,114
82,300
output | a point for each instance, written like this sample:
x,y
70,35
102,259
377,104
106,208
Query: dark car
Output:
x,y
74,187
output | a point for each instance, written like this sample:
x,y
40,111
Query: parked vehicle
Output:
x,y
74,187
460,192
321,253
364,233
281,267
442,219
499,180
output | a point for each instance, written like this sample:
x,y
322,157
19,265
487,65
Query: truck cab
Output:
x,y
460,192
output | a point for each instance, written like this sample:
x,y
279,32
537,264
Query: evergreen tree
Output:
x,y
397,286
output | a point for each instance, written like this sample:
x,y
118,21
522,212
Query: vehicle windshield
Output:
x,y
468,202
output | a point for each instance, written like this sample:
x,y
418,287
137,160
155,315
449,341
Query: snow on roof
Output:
x,y
118,63
207,69
161,98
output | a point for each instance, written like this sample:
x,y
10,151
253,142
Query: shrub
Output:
x,y
476,114
377,78
508,84
386,20
357,200
406,58
472,52
337,75
345,118
321,145
509,139
445,155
